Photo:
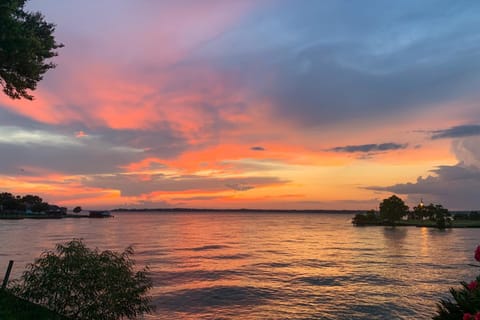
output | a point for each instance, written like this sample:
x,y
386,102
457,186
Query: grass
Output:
x,y
466,223
14,308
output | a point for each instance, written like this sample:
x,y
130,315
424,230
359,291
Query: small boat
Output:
x,y
100,214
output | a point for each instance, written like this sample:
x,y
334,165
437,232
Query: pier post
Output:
x,y
7,274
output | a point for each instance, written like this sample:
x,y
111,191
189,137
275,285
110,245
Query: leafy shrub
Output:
x,y
466,301
14,308
474,215
81,283
365,218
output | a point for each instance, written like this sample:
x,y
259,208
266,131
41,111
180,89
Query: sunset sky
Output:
x,y
251,104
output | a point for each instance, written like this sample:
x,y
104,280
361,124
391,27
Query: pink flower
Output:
x,y
472,285
467,316
477,254
477,316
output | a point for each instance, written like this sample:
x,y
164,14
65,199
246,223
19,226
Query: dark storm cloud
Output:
x,y
135,185
69,159
455,186
9,118
102,150
162,142
318,62
327,61
457,132
370,147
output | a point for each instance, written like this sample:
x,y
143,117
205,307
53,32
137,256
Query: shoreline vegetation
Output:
x,y
393,212
73,281
13,307
15,207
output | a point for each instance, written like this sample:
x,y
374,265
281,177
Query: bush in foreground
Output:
x,y
82,283
466,301
14,308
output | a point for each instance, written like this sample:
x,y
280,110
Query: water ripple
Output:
x,y
230,256
267,266
272,265
193,300
166,277
204,248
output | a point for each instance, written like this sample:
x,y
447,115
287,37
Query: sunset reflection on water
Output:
x,y
268,265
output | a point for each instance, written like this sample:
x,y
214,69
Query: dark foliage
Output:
x,y
392,209
10,202
465,301
26,43
473,215
365,218
81,283
14,308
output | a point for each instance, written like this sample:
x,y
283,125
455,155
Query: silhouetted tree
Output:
x,y
474,215
9,202
419,212
434,212
34,203
371,215
32,199
442,217
26,42
430,211
77,209
392,209
366,218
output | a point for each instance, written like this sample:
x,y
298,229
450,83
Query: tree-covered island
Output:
x,y
394,212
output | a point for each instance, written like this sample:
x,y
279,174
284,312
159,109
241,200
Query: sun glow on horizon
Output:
x,y
245,104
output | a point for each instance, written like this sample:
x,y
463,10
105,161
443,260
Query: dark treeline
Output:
x,y
10,203
472,215
393,210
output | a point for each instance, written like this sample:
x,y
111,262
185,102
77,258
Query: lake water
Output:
x,y
267,265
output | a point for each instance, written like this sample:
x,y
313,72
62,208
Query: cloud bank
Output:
x,y
197,100
370,147
456,187
457,132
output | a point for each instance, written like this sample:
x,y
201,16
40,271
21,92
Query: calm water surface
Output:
x,y
268,266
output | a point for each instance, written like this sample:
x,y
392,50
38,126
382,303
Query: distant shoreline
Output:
x,y
236,210
339,211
